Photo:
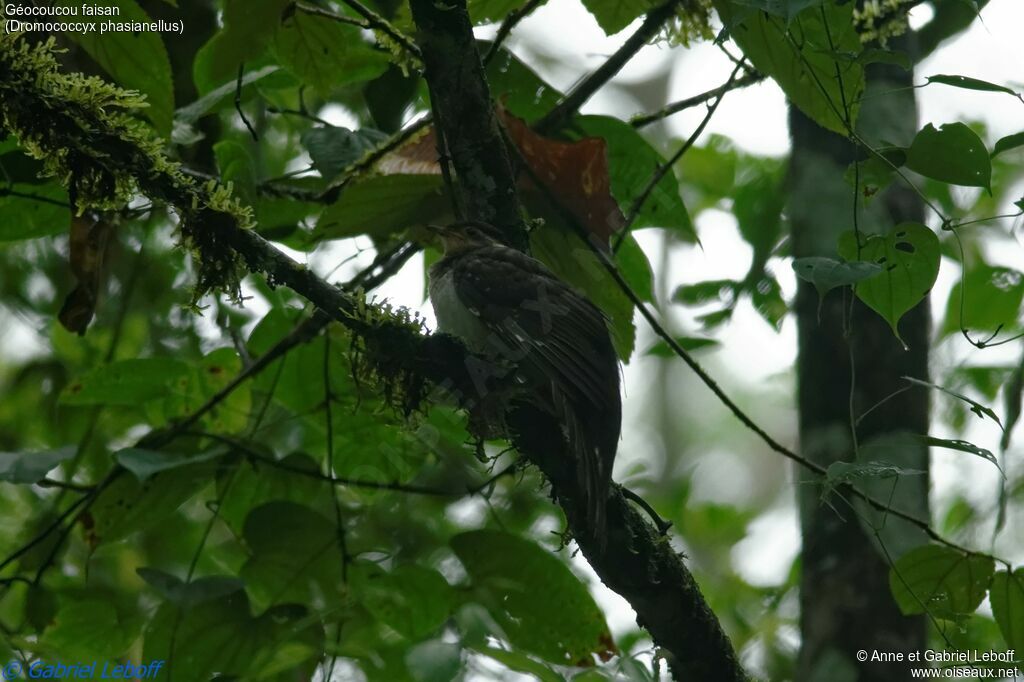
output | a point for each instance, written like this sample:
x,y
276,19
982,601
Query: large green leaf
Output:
x,y
518,87
326,53
542,607
1007,598
954,153
31,211
813,59
631,164
413,600
380,206
909,257
220,637
252,484
89,628
236,166
145,463
126,382
296,556
137,60
940,580
248,28
128,505
986,298
201,382
614,15
572,260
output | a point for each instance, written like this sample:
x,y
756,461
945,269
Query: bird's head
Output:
x,y
462,236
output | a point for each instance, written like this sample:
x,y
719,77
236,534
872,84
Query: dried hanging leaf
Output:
x,y
88,239
575,172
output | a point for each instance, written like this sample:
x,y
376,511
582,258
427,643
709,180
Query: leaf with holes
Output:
x,y
1007,598
544,608
961,446
968,83
953,154
977,408
940,580
909,258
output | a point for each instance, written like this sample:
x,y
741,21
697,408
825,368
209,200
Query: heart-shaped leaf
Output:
x,y
909,261
954,153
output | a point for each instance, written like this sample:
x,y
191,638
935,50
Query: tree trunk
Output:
x,y
846,604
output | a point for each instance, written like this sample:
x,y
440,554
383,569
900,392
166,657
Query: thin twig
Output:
x,y
513,18
641,120
327,14
381,24
567,108
238,102
665,167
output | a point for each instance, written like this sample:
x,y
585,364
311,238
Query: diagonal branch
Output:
x,y
568,107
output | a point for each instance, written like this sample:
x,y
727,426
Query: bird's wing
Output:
x,y
534,314
553,333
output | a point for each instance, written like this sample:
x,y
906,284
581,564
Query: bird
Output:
x,y
508,306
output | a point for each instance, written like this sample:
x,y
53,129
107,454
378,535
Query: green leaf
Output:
x,y
614,15
237,167
248,29
219,637
253,484
631,162
909,257
128,505
635,268
802,58
125,382
786,9
541,605
381,206
219,96
87,629
766,297
757,205
952,154
977,408
1007,598
333,148
325,53
189,594
413,600
940,580
989,298
827,273
1005,144
961,446
31,467
295,556
573,261
434,661
145,463
201,382
689,343
32,211
518,87
970,84
491,11
513,660
137,60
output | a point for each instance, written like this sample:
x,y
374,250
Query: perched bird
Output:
x,y
503,304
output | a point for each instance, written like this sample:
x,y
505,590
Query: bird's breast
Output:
x,y
453,317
